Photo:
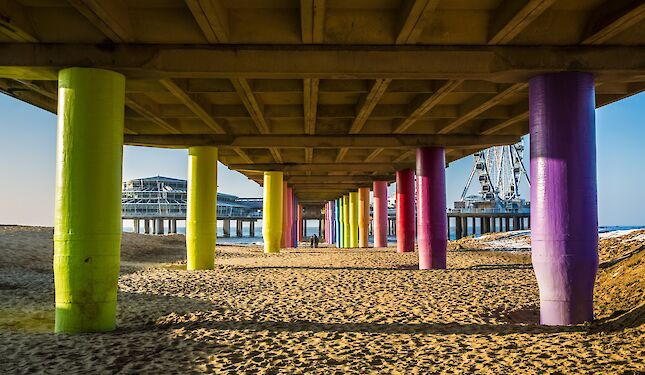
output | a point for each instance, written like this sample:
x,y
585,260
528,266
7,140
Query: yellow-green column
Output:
x,y
346,235
201,213
272,212
353,219
87,224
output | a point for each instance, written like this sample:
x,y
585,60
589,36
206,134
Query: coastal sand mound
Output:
x,y
319,311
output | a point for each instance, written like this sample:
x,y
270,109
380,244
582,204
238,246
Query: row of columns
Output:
x,y
489,224
154,226
89,160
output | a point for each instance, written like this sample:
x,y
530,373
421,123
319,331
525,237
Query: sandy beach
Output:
x,y
322,311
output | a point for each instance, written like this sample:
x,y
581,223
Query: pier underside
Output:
x,y
334,94
316,99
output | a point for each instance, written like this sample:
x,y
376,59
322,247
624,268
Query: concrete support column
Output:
x,y
272,211
381,222
226,227
159,226
284,240
146,226
136,224
363,217
300,226
346,228
238,228
432,223
464,226
88,162
252,228
337,218
458,229
294,220
405,222
289,207
320,229
353,219
201,215
564,239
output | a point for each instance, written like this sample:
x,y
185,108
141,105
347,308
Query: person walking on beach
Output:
x,y
315,240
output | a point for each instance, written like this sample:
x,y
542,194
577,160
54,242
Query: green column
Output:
x,y
201,210
87,224
353,219
346,235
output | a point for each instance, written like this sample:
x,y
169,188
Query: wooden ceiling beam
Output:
x,y
364,141
612,18
192,104
512,17
212,19
148,109
414,15
473,108
492,63
367,103
310,104
15,22
322,167
312,21
111,17
423,104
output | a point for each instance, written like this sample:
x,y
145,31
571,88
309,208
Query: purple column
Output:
x,y
405,210
564,210
432,222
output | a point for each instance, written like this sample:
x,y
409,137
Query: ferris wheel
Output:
x,y
499,171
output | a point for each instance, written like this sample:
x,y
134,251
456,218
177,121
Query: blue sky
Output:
x,y
27,154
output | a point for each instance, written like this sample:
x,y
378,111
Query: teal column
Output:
x,y
87,225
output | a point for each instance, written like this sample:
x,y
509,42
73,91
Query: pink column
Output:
x,y
328,222
405,211
380,213
432,222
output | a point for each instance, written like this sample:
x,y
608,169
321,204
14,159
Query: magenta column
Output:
x,y
380,213
432,222
405,210
564,210
327,226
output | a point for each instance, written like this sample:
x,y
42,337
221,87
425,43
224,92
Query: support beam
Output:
x,y
15,22
331,141
323,167
432,225
89,158
502,64
111,17
192,104
423,104
613,18
471,109
405,210
367,103
148,109
272,211
312,21
511,17
414,16
310,103
201,210
212,19
252,104
564,210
